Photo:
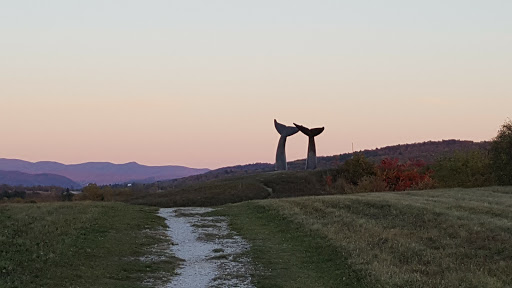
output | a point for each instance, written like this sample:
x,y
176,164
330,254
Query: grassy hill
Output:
x,y
432,238
260,181
426,151
277,184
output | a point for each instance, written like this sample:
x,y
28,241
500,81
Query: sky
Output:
x,y
199,83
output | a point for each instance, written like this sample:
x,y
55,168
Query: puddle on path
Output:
x,y
212,253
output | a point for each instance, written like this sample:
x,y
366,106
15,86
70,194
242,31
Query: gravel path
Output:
x,y
212,253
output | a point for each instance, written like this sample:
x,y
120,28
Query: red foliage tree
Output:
x,y
403,176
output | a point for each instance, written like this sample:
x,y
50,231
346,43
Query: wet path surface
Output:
x,y
212,254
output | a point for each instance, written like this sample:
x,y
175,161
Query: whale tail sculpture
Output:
x,y
311,133
284,131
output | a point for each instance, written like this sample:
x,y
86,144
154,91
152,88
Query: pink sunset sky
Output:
x,y
198,83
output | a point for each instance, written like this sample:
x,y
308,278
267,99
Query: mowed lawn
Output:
x,y
434,238
83,244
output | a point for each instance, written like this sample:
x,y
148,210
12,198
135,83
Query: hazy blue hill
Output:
x,y
101,172
15,178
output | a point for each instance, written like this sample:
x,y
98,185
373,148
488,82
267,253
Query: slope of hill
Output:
x,y
277,184
15,178
101,173
430,238
426,151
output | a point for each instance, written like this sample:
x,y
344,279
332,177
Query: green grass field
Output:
x,y
87,244
435,238
430,238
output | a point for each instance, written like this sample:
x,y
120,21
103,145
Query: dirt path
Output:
x,y
212,254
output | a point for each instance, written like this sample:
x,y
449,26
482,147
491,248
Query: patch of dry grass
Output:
x,y
435,238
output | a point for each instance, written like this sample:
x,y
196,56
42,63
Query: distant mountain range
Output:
x,y
101,173
15,178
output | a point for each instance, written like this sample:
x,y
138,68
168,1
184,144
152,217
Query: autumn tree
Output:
x,y
92,192
501,154
464,169
412,174
107,193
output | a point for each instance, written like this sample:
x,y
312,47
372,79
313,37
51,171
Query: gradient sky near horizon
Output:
x,y
198,83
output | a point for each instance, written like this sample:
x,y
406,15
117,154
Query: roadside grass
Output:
x,y
430,238
85,244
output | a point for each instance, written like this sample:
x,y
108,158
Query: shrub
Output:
x,y
404,176
356,168
91,192
463,169
342,186
17,200
108,193
66,195
371,184
13,194
328,181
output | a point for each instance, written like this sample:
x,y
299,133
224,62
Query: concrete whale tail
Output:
x,y
284,130
309,132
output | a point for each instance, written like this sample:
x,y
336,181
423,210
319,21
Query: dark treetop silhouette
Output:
x,y
284,131
311,133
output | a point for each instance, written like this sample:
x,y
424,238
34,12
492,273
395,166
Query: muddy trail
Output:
x,y
213,255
